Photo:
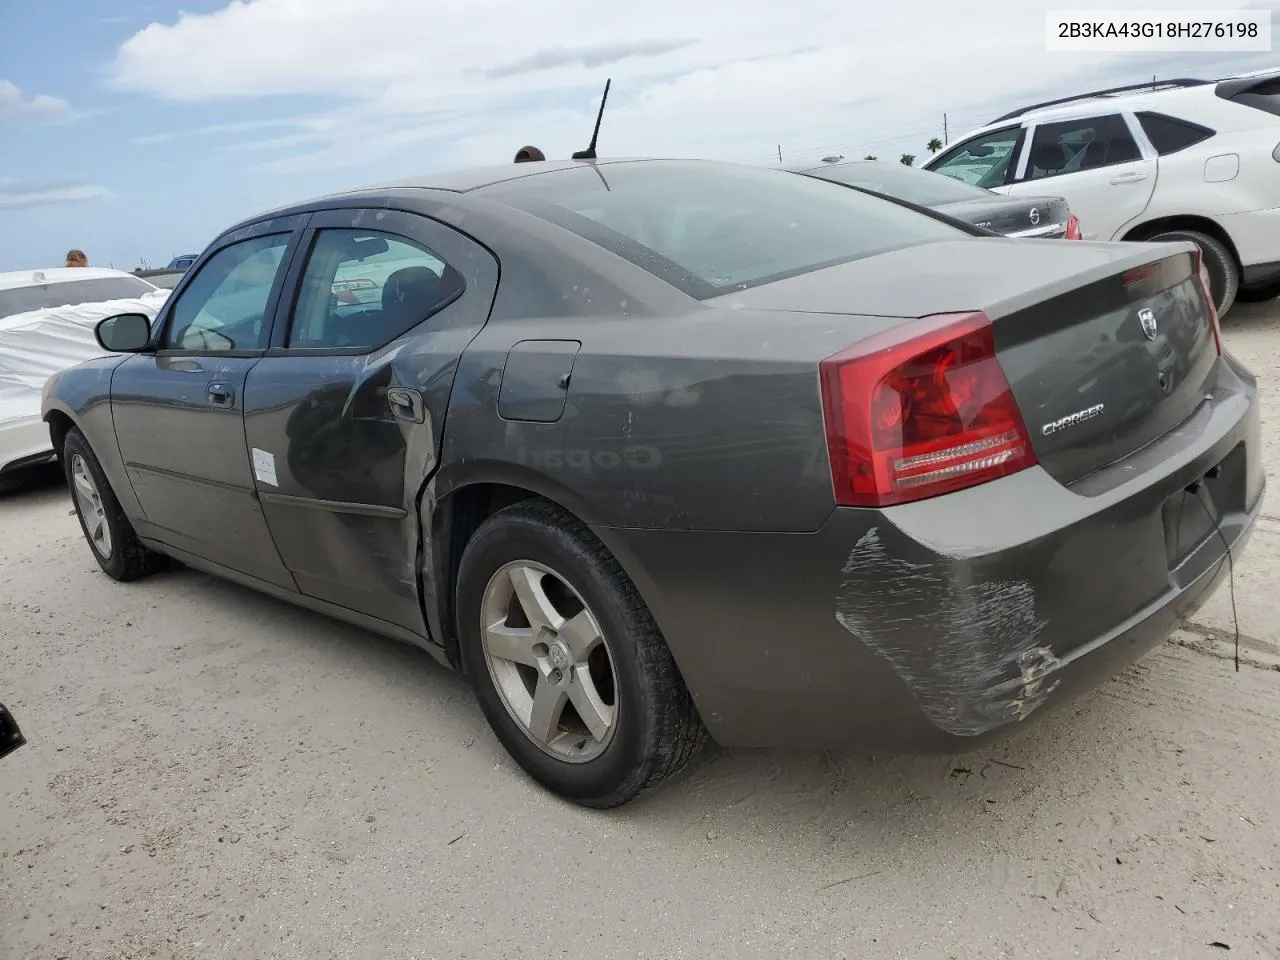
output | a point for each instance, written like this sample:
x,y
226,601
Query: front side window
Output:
x,y
224,307
361,289
70,293
1085,143
709,229
983,161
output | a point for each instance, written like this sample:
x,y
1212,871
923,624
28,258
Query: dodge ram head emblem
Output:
x,y
1147,318
1035,216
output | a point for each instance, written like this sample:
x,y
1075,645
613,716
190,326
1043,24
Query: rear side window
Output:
x,y
1169,135
708,229
69,293
1264,96
361,289
1085,143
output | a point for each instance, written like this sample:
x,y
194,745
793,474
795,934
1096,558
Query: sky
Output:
x,y
137,130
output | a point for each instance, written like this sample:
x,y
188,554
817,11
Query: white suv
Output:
x,y
1194,160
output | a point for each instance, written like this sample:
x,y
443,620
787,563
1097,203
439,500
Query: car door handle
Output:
x,y
221,393
406,404
1127,178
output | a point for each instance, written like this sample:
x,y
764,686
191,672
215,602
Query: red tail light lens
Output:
x,y
918,411
1214,322
1073,228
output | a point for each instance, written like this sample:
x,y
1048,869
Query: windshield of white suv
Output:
x,y
70,292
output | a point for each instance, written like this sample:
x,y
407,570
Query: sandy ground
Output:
x,y
215,774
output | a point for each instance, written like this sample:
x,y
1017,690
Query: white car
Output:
x,y
1190,160
46,325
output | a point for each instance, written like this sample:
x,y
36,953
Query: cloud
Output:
x,y
598,55
418,86
39,109
17,194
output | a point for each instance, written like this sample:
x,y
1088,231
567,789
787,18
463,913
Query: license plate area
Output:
x,y
1193,514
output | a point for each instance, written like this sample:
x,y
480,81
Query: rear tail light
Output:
x,y
921,410
1073,228
1202,272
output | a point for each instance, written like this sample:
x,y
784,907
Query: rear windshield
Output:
x,y
921,187
70,292
709,229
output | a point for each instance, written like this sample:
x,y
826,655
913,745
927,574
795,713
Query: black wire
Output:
x,y
1231,571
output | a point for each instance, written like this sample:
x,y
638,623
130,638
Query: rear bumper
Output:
x,y
1255,235
931,626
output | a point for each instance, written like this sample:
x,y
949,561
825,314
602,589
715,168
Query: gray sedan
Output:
x,y
1048,218
657,451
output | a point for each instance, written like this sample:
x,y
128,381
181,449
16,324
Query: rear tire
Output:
x,y
1224,275
106,529
590,641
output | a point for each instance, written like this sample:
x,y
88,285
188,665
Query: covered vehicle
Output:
x,y
653,450
1043,217
46,324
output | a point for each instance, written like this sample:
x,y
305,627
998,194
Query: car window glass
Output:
x,y
1084,143
224,306
69,293
982,161
361,289
1169,135
709,229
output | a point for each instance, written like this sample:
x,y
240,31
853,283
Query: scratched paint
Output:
x,y
972,660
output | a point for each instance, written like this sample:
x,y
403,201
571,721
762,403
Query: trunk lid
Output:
x,y
1013,216
1106,346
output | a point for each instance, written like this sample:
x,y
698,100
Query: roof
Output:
x,y
29,278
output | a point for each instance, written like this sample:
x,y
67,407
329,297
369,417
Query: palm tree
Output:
x,y
935,145
908,159
869,156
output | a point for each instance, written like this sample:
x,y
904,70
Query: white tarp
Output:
x,y
38,344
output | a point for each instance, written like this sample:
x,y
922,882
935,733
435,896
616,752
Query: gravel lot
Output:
x,y
214,774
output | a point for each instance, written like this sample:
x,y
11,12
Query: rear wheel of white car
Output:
x,y
108,531
1224,275
567,663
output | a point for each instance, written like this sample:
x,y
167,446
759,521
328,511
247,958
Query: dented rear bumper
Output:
x,y
934,625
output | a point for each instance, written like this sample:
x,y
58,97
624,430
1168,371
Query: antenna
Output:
x,y
590,152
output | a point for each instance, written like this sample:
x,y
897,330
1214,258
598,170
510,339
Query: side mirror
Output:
x,y
124,333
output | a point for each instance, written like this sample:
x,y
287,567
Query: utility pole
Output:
x,y
779,153
944,130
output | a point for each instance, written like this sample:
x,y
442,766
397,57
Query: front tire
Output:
x,y
1224,275
566,661
107,530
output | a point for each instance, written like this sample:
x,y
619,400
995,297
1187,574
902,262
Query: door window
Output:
x,y
1085,143
361,289
1169,135
983,161
224,306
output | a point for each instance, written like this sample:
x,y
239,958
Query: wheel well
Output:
x,y
1199,224
456,521
59,426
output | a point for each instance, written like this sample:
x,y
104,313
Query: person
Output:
x,y
526,154
76,258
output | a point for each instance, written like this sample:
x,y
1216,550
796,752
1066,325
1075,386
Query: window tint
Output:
x,y
362,289
1084,143
69,293
708,229
224,307
1169,135
1264,96
982,161
921,187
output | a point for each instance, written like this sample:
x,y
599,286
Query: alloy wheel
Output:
x,y
89,504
